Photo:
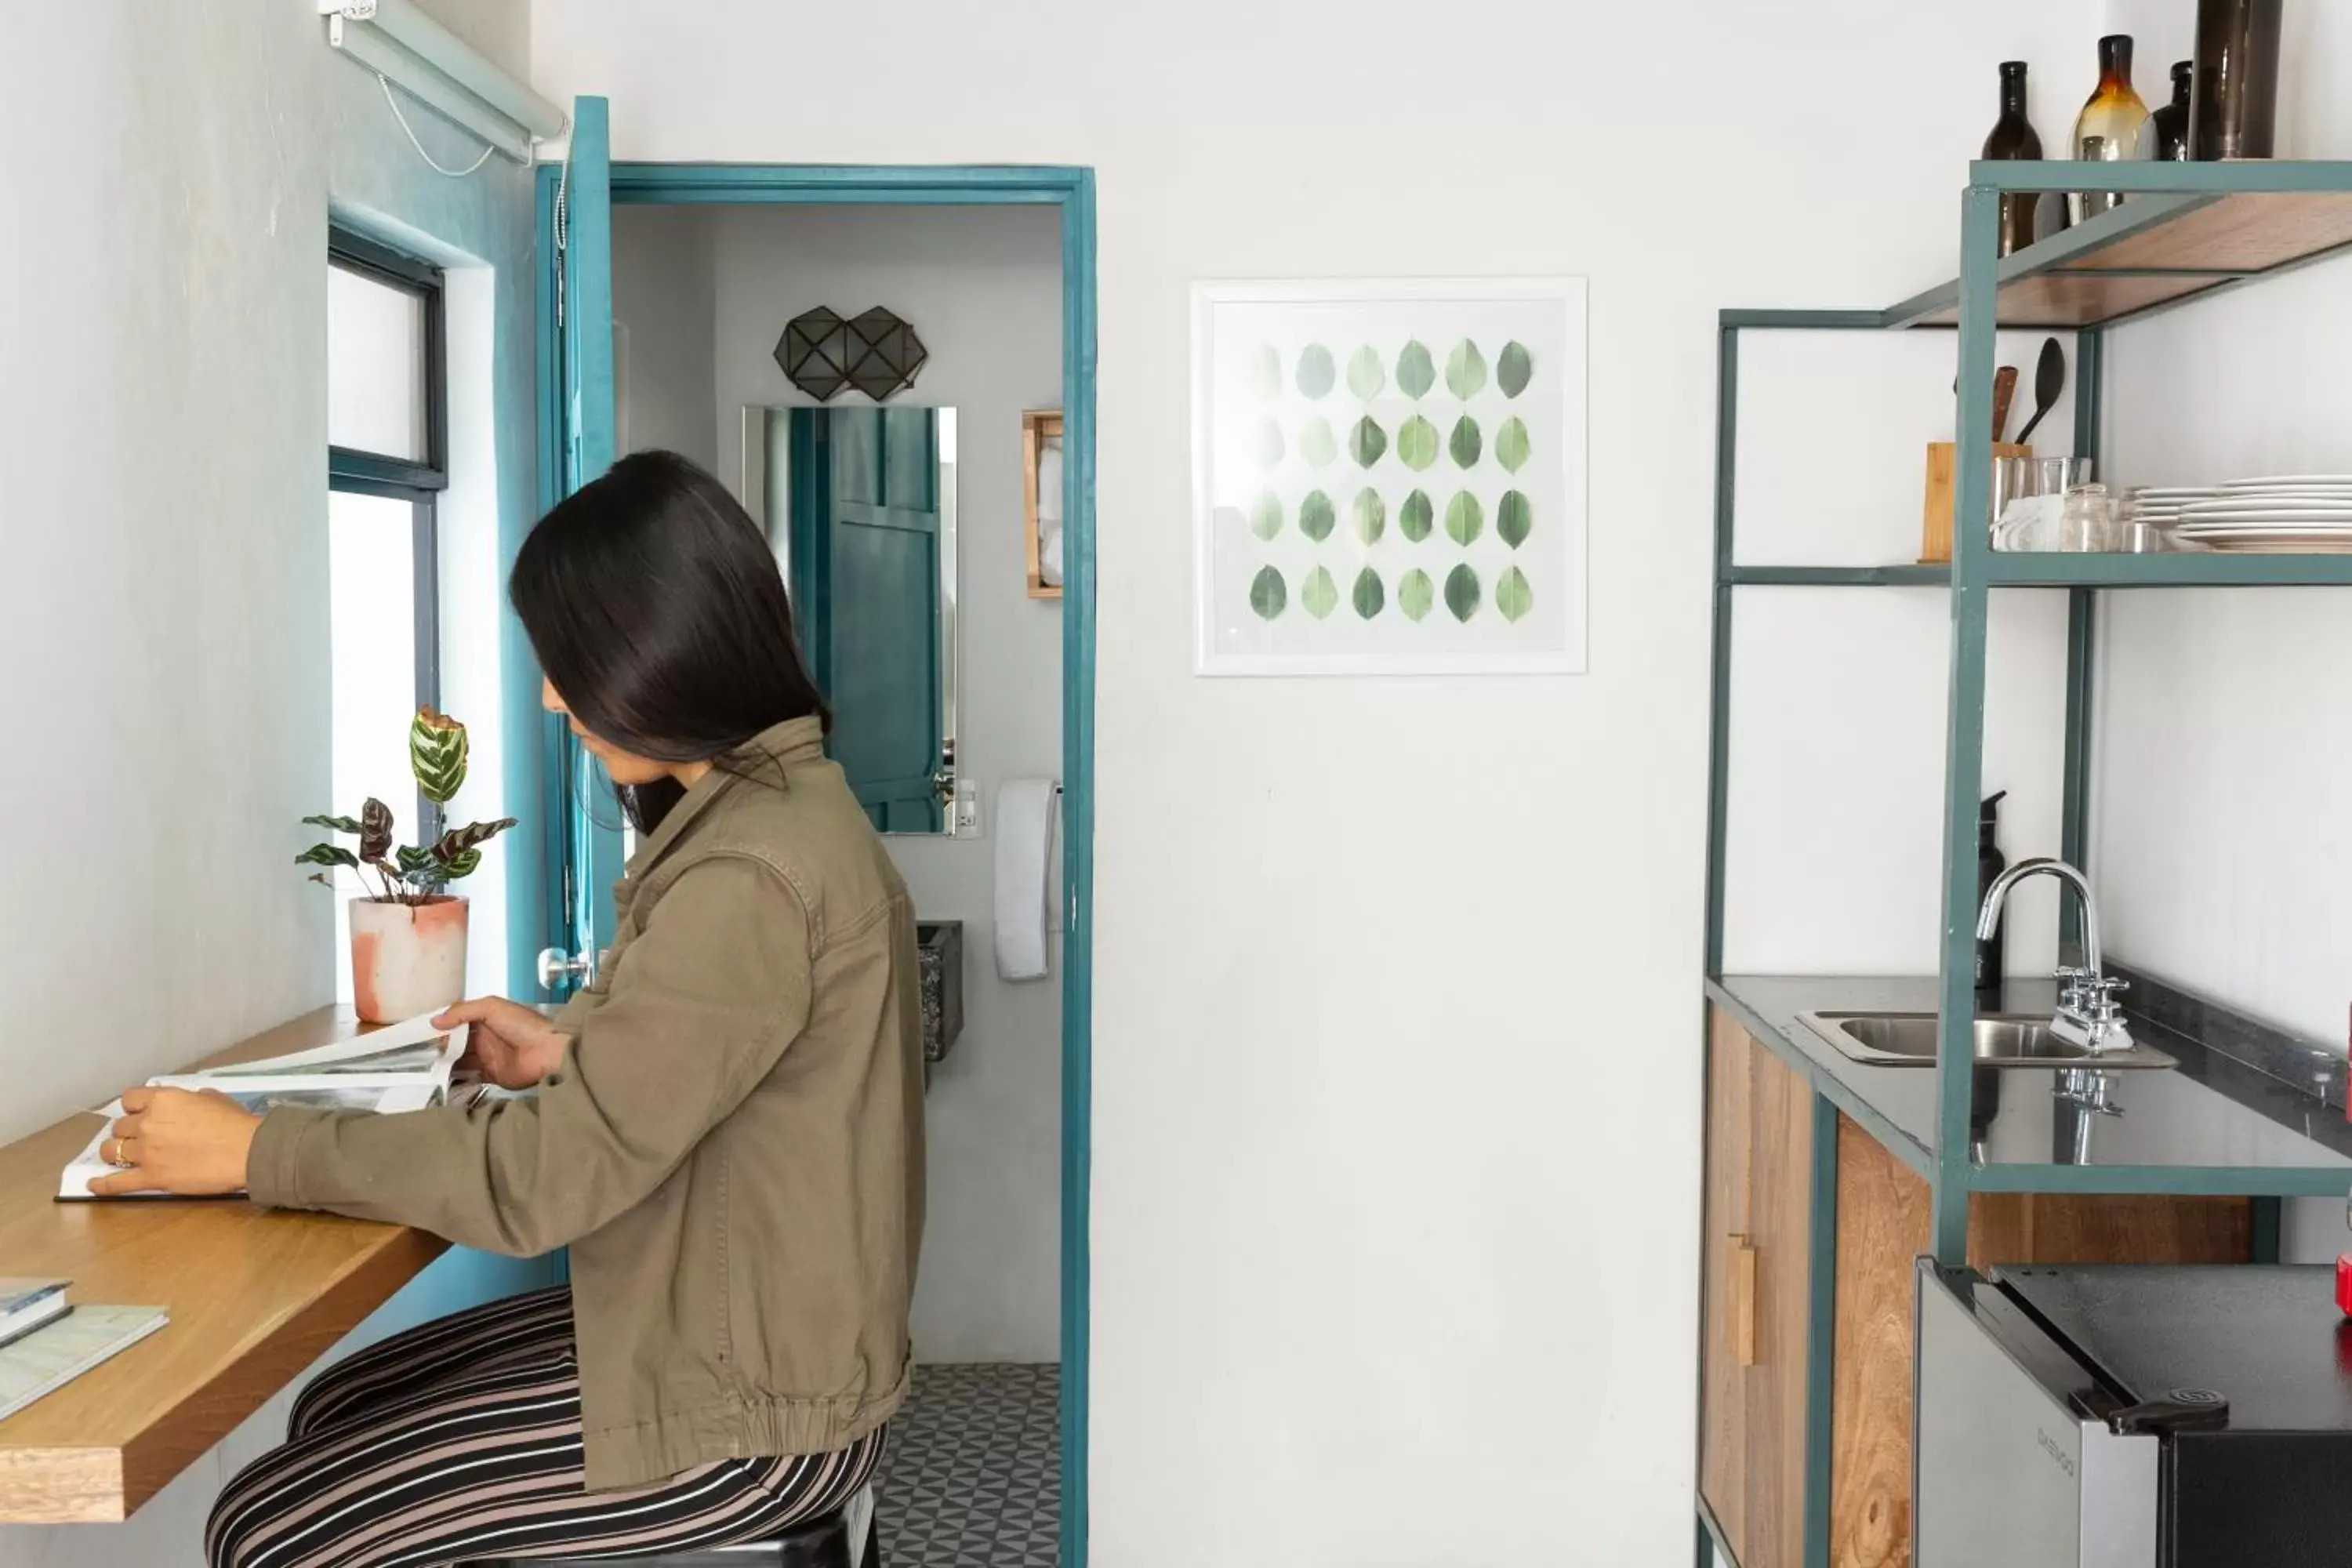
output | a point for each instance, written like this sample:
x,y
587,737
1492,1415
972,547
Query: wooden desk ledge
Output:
x,y
254,1297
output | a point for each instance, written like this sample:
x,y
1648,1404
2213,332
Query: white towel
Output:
x,y
1024,875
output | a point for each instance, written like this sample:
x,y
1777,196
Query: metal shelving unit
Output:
x,y
2187,232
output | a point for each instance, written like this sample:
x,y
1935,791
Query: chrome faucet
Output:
x,y
2087,1014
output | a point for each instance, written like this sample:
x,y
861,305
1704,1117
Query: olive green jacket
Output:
x,y
733,1147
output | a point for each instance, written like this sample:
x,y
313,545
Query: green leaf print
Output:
x,y
1464,443
1514,519
1416,443
1265,372
1268,445
1465,369
1366,442
1314,443
1415,373
1315,518
1415,594
1512,594
1514,368
1462,591
1268,595
1464,518
1265,515
1365,377
1318,595
1416,518
1315,372
1368,595
1511,445
1371,515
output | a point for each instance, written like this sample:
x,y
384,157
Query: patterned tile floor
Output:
x,y
973,1476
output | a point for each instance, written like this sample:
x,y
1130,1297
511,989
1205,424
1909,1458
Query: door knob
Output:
x,y
558,969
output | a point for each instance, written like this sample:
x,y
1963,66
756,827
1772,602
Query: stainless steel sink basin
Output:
x,y
2008,1040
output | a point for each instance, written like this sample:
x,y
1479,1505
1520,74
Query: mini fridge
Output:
x,y
2132,1417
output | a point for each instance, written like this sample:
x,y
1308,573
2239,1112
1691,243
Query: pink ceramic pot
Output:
x,y
407,959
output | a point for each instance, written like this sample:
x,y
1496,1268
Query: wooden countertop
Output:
x,y
255,1296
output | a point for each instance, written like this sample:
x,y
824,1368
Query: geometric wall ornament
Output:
x,y
878,353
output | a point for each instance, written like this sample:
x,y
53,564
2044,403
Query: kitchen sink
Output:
x,y
2005,1041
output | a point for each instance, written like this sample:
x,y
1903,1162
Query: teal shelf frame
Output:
x,y
2160,194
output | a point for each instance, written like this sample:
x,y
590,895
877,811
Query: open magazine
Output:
x,y
402,1067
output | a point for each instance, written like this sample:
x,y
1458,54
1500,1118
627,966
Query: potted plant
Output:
x,y
408,932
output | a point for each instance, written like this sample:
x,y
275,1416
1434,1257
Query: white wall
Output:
x,y
984,289
2221,841
663,296
163,420
1395,1120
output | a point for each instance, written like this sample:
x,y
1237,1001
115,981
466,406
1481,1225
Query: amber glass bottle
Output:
x,y
2113,124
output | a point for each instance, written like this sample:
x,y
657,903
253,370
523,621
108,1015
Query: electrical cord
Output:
x,y
409,131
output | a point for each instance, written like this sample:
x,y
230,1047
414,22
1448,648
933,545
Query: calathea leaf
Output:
x,y
460,842
413,860
327,854
375,830
437,756
339,824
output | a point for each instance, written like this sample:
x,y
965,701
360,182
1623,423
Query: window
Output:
x,y
387,465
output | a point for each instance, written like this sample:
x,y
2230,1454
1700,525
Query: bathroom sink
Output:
x,y
2008,1040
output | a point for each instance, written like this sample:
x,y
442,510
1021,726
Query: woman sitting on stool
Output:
x,y
727,1130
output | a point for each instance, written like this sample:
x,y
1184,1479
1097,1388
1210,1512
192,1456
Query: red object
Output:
x,y
2344,1284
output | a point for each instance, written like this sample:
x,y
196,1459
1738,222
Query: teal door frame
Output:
x,y
1072,189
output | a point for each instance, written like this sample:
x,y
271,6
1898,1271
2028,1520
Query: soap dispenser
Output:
x,y
1990,864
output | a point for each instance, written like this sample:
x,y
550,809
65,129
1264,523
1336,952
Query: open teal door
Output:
x,y
866,584
576,242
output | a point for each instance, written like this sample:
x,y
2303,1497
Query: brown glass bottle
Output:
x,y
2236,110
2012,137
2171,122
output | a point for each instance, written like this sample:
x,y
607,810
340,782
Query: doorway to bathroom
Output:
x,y
938,541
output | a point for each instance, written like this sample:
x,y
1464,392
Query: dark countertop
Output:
x,y
2249,1131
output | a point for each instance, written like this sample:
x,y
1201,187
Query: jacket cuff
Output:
x,y
273,1162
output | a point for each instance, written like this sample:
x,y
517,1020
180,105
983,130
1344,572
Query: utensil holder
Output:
x,y
1935,526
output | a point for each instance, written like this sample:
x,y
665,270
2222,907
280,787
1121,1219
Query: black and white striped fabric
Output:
x,y
461,1440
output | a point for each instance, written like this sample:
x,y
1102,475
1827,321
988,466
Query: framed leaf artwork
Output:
x,y
1388,477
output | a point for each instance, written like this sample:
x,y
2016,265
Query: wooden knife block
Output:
x,y
1935,528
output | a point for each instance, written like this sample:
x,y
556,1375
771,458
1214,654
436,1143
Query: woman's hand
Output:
x,y
173,1141
506,1042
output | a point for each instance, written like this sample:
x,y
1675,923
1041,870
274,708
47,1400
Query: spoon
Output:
x,y
2049,380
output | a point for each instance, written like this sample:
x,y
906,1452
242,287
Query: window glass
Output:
x,y
375,366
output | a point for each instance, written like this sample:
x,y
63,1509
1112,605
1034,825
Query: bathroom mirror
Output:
x,y
859,504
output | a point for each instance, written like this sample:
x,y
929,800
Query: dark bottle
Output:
x,y
1990,864
2172,120
2234,113
2012,137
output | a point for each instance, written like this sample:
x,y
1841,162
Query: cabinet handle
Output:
x,y
1743,1302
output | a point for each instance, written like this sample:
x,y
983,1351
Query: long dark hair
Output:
x,y
656,609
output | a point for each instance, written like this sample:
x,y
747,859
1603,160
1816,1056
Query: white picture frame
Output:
x,y
1304,506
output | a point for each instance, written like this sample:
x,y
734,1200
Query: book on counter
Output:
x,y
44,1358
26,1304
402,1067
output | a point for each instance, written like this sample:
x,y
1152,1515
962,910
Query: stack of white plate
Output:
x,y
2166,504
2284,514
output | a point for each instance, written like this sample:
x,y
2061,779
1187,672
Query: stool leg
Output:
x,y
874,1540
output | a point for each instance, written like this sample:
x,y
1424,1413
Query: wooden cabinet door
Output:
x,y
1780,1229
1727,1278
1757,1290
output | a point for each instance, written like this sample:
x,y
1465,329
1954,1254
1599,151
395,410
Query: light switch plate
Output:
x,y
967,810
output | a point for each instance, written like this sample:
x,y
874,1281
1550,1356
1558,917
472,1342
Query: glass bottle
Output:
x,y
2171,122
2012,137
2236,110
2112,124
